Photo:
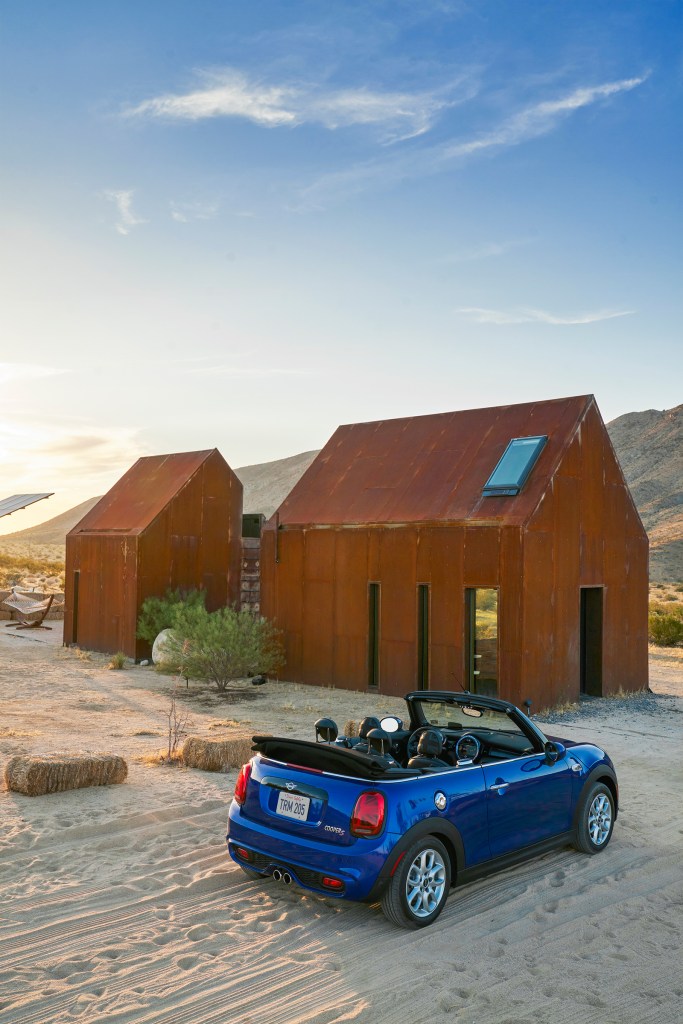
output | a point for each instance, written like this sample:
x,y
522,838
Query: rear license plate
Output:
x,y
292,806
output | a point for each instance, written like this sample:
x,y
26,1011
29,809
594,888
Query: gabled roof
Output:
x,y
430,468
134,502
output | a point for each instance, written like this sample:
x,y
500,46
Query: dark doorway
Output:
x,y
481,640
373,636
74,629
591,641
423,636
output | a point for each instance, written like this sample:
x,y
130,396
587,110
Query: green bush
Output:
x,y
222,646
159,613
665,630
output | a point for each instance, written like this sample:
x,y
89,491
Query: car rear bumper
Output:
x,y
308,861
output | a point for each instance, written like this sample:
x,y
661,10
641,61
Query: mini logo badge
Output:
x,y
290,785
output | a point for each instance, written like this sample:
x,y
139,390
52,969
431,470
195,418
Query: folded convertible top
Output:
x,y
329,758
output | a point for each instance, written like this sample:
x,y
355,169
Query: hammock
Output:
x,y
27,605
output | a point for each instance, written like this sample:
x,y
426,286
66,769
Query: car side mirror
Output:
x,y
391,724
554,751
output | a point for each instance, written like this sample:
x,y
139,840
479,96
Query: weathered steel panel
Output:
x,y
384,472
510,604
177,518
482,556
402,502
538,637
318,564
318,608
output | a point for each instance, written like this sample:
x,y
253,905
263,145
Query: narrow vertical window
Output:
x,y
423,636
373,636
74,628
481,640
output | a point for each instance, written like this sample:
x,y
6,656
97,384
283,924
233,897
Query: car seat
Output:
x,y
362,746
429,747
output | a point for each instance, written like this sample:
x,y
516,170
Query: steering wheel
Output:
x,y
468,747
414,739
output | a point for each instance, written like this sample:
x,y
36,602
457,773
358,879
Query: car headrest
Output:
x,y
326,730
379,741
366,725
430,743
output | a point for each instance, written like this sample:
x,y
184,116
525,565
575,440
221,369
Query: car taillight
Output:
x,y
368,814
241,784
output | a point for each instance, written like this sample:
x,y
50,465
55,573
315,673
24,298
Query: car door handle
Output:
x,y
500,785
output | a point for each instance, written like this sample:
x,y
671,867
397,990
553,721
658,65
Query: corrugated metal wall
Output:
x,y
584,532
194,540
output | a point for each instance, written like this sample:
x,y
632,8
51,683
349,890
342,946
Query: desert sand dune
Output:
x,y
121,905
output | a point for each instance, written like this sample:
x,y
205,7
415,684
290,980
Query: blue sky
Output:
x,y
239,225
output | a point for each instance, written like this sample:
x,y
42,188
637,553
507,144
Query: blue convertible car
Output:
x,y
401,813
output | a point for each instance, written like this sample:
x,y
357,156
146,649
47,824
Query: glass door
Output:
x,y
481,640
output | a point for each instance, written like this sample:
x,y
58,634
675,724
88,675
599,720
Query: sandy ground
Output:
x,y
121,905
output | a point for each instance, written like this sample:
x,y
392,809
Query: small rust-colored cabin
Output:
x,y
497,550
170,521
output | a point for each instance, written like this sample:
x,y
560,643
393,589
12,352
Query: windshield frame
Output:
x,y
508,712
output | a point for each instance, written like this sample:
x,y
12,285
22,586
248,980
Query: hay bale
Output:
x,y
36,776
217,755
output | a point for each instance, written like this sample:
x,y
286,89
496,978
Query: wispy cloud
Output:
x,y
226,370
53,454
123,200
231,93
483,251
532,122
12,372
503,317
184,213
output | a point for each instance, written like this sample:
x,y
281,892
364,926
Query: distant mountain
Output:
x,y
267,485
649,446
53,531
265,488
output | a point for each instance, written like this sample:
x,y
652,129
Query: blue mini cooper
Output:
x,y
403,812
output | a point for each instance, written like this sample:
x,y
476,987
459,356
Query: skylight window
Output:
x,y
514,466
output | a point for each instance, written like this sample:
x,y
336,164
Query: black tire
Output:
x,y
594,819
417,892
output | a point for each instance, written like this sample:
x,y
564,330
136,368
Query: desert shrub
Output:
x,y
13,568
222,646
159,613
118,660
665,630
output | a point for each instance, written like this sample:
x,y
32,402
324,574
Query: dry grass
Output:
x,y
36,776
565,707
216,755
622,694
161,758
118,661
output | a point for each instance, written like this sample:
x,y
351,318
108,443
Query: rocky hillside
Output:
x,y
649,446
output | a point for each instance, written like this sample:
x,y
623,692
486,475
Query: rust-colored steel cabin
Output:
x,y
170,521
388,568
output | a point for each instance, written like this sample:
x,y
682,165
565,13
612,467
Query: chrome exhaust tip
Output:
x,y
286,878
277,874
